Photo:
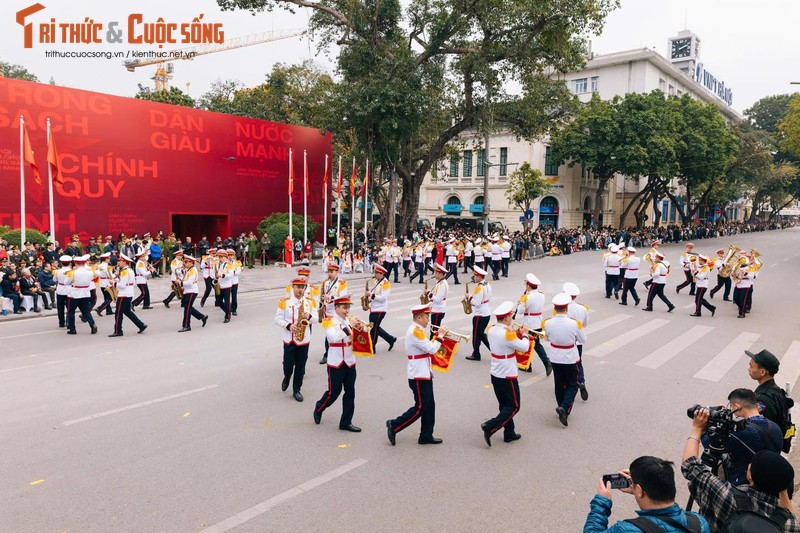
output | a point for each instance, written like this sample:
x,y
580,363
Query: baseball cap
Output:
x,y
766,360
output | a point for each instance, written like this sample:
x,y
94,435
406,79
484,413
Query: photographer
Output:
x,y
764,501
759,434
652,483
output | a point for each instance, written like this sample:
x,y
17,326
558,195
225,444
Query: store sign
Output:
x,y
710,82
452,208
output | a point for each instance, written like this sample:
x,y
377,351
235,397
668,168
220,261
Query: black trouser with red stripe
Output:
x,y
621,280
294,364
612,280
144,295
657,289
82,304
209,288
700,301
424,407
106,305
722,282
376,318
453,271
61,307
742,297
234,297
479,324
224,301
340,378
507,392
436,320
187,302
689,281
565,380
124,308
629,285
93,292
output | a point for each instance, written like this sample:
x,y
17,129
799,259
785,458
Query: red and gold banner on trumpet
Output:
x,y
524,358
441,360
362,344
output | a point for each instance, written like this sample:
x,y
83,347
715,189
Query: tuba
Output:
x,y
729,261
757,263
467,302
301,324
365,298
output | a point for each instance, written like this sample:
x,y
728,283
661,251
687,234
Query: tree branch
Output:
x,y
319,6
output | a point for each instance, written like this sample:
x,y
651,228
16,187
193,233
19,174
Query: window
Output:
x,y
467,163
550,169
454,165
481,162
453,200
579,86
594,80
478,200
503,161
671,90
662,85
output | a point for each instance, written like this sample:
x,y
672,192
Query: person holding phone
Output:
x,y
651,481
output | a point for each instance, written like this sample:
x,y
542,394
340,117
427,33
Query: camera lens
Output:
x,y
690,411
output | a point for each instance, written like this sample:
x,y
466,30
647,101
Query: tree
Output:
x,y
173,96
789,128
594,139
411,84
524,186
17,72
219,97
767,112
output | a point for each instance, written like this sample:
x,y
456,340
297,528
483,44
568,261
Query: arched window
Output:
x,y
453,200
478,200
452,206
548,211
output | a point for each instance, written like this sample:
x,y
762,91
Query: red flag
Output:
x,y
52,159
305,174
366,182
339,185
291,173
28,157
353,180
325,177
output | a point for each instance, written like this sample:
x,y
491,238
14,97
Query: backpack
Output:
x,y
747,521
785,414
650,526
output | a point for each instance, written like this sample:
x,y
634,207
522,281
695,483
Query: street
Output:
x,y
190,432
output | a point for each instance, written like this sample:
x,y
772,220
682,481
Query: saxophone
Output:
x,y
301,324
321,311
424,299
177,286
215,281
365,298
467,302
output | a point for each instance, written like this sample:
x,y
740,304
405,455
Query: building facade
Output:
x,y
456,187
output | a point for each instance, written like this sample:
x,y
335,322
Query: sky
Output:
x,y
752,45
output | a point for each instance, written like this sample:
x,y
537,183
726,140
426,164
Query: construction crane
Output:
x,y
165,68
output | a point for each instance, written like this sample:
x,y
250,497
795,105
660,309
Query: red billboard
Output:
x,y
134,166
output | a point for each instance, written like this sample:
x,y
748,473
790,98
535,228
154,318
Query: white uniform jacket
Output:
x,y
63,280
81,283
439,297
226,273
478,250
419,350
564,334
580,313
190,281
142,273
504,343
611,264
481,296
379,296
126,283
632,270
506,250
659,273
529,309
332,289
340,341
103,275
287,314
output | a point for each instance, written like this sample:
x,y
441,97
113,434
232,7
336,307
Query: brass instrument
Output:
x,y
527,290
302,322
739,269
112,289
647,257
321,311
215,281
516,327
424,299
757,263
729,261
452,335
467,302
365,298
358,324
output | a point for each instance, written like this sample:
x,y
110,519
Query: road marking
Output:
x,y
138,405
37,482
28,334
31,366
773,265
790,365
729,356
607,323
265,506
628,337
689,306
674,347
534,379
786,259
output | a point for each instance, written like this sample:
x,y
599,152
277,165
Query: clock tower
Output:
x,y
683,51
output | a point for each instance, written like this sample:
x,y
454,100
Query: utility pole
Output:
x,y
486,168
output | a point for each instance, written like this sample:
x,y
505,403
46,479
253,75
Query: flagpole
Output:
x,y
21,182
291,186
50,187
339,204
325,206
353,212
305,197
366,200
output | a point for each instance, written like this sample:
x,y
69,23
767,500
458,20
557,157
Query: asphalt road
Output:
x,y
185,432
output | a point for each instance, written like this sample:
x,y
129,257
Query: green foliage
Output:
x,y
16,72
789,128
32,235
277,233
767,112
524,186
173,96
283,219
4,230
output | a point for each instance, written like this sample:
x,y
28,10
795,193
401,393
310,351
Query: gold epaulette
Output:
x,y
282,303
418,333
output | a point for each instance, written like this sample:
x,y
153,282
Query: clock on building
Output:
x,y
681,48
684,49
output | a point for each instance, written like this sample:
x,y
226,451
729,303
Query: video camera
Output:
x,y
722,423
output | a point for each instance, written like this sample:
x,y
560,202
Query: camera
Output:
x,y
721,425
618,481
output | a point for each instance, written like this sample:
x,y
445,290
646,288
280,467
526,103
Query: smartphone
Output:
x,y
618,481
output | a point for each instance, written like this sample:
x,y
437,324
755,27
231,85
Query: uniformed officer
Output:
x,y
631,276
79,296
652,253
189,282
505,254
702,273
438,296
479,251
378,305
451,253
497,256
143,272
125,284
237,271
341,365
504,342
291,311
564,333
580,313
686,264
420,378
63,279
104,275
529,309
225,272
332,288
208,267
175,276
658,273
742,294
611,267
772,400
480,298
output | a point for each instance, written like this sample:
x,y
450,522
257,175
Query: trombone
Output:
x,y
452,335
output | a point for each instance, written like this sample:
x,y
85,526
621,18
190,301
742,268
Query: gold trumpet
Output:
x,y
358,324
516,327
452,335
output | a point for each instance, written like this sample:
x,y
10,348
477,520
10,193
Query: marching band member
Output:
x,y
378,305
652,253
63,280
296,336
428,258
93,283
504,342
396,252
496,254
701,274
452,260
505,254
564,333
104,275
420,378
188,281
631,276
686,262
658,273
419,263
743,293
142,270
721,280
175,276
479,253
611,267
208,266
580,313
79,296
530,308
468,258
125,284
237,270
334,287
622,252
406,255
438,296
480,298
341,365
225,272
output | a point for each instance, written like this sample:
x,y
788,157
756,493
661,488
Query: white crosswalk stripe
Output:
x,y
790,365
674,347
606,323
722,363
626,338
